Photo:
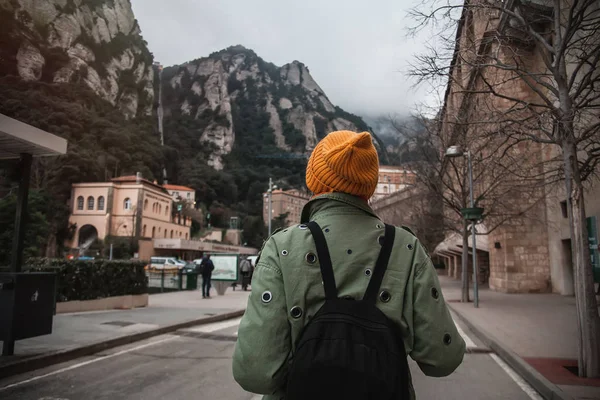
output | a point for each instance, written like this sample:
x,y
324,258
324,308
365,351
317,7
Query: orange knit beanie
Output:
x,y
344,161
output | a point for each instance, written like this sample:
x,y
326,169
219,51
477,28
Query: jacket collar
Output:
x,y
334,200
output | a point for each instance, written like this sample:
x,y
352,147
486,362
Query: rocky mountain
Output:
x,y
94,42
238,100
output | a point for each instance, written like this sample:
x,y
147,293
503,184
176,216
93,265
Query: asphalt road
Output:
x,y
196,364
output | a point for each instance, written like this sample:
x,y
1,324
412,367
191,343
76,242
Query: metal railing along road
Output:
x,y
168,280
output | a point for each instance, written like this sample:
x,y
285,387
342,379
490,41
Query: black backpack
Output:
x,y
350,349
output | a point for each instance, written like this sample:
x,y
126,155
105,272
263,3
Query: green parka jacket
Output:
x,y
287,292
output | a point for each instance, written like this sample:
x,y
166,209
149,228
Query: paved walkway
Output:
x,y
540,328
71,331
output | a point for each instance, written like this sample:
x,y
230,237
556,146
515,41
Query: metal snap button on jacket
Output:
x,y
296,312
311,258
385,296
266,297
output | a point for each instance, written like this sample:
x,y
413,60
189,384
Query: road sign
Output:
x,y
592,228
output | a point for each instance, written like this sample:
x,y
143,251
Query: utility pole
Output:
x,y
472,214
270,202
473,235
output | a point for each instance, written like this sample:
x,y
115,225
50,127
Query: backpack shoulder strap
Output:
x,y
324,260
381,265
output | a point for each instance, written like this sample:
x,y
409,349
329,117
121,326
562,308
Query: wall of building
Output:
x,y
391,180
154,228
96,217
123,221
559,235
415,208
100,222
156,205
291,202
85,192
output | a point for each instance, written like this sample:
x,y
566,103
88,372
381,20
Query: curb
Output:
x,y
60,356
543,386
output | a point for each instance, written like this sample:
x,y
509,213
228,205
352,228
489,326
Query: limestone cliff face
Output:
x,y
94,42
233,88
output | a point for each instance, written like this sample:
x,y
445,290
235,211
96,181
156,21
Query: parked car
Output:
x,y
166,263
190,266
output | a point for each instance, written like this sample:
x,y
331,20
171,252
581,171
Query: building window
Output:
x,y
167,210
144,231
90,203
145,204
166,233
159,208
153,231
171,233
563,208
186,236
101,203
127,204
189,196
80,203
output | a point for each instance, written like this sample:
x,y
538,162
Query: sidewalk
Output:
x,y
79,334
534,333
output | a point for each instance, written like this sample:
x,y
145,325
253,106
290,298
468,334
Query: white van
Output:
x,y
166,263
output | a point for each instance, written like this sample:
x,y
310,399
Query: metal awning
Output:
x,y
453,242
23,142
18,138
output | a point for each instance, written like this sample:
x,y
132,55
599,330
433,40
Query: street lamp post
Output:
x,y
270,194
472,214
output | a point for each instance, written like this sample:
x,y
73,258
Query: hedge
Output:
x,y
93,279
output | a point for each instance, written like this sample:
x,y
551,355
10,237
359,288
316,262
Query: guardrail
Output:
x,y
171,280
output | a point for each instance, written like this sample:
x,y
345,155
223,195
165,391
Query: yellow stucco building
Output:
x,y
126,206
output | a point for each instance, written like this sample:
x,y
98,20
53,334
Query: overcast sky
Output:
x,y
357,51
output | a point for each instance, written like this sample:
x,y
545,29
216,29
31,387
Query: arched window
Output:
x,y
153,231
90,203
167,210
179,234
145,204
166,233
80,203
186,236
171,233
127,204
159,208
144,231
101,203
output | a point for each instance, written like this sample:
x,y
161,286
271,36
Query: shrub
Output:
x,y
93,279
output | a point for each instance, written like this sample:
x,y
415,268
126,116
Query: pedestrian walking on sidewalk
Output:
x,y
339,301
207,267
246,272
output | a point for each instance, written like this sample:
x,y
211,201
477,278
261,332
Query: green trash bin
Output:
x,y
192,281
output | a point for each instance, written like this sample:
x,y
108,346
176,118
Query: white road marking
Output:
x,y
60,371
217,326
515,377
468,341
509,371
